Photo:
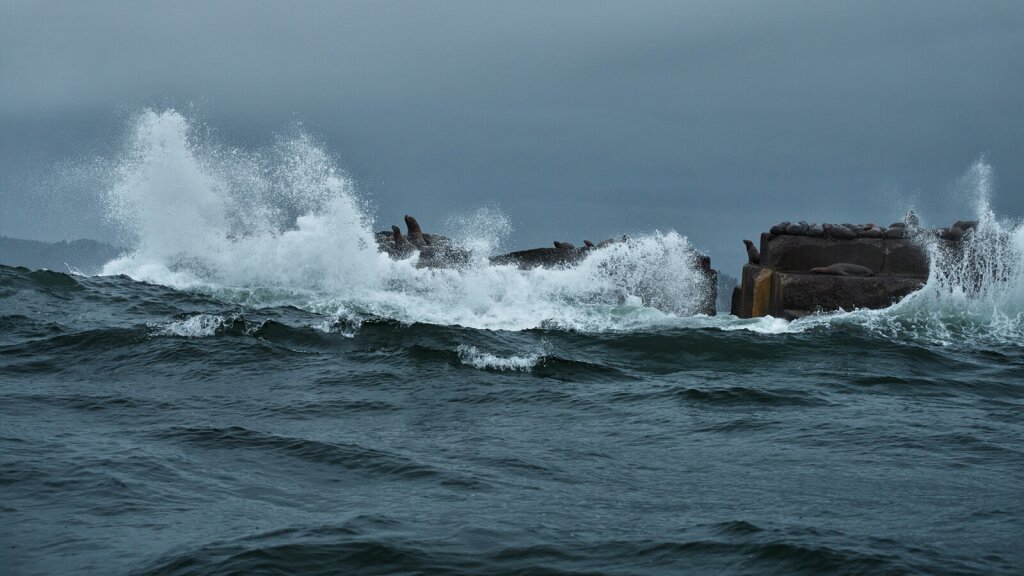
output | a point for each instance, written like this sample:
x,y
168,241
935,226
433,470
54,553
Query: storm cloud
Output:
x,y
578,119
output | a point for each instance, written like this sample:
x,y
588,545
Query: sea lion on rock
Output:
x,y
435,239
798,229
401,243
564,245
840,232
415,233
959,228
779,228
895,232
843,269
816,231
753,256
588,244
870,232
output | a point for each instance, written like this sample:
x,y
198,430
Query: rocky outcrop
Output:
x,y
437,251
847,266
883,256
542,257
794,294
563,254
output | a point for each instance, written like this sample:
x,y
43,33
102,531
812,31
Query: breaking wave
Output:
x,y
283,226
476,358
975,289
198,326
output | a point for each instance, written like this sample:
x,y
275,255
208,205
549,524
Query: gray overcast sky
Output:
x,y
579,119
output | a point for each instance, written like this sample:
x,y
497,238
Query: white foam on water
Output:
x,y
473,356
284,226
763,325
346,324
198,326
975,289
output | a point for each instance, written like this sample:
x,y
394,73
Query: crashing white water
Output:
x,y
284,226
473,356
974,292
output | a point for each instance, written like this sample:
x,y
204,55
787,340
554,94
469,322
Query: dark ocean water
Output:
x,y
255,389
148,430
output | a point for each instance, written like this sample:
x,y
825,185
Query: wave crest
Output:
x,y
283,226
476,358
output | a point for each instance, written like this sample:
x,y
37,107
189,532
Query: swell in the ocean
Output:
x,y
285,226
149,430
266,393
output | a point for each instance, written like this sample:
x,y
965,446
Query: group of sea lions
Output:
x,y
396,244
958,230
439,251
909,226
587,244
434,249
847,231
838,269
841,231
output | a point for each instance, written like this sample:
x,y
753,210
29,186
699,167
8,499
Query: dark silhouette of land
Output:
x,y
86,256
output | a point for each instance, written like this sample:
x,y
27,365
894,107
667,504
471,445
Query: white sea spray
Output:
x,y
284,226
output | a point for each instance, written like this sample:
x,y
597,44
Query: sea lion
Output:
x,y
588,244
843,269
895,232
779,228
415,233
401,243
798,229
753,256
870,232
435,239
840,232
564,245
816,231
959,228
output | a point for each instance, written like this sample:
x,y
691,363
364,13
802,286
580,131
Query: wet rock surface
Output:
x,y
437,251
855,266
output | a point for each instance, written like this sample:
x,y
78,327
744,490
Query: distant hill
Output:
x,y
87,256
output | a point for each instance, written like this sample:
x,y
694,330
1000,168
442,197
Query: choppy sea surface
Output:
x,y
240,396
